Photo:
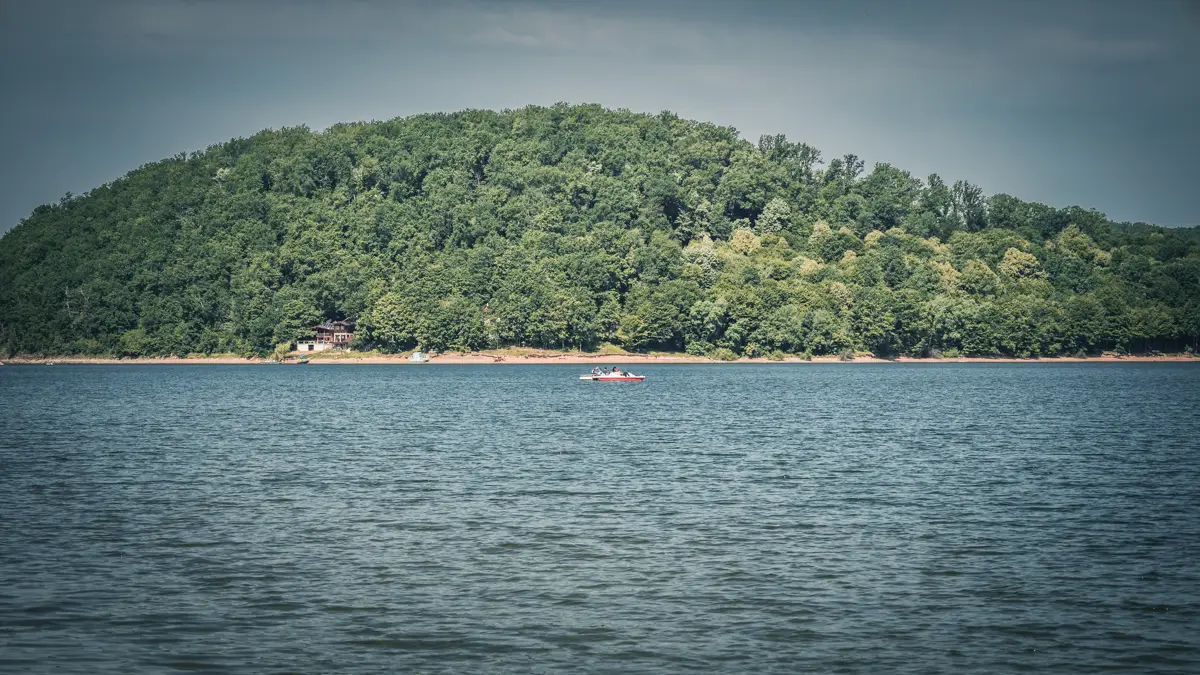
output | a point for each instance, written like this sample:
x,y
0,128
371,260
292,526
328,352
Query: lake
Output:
x,y
850,518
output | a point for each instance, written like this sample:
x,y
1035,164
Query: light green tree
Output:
x,y
744,241
775,217
1018,264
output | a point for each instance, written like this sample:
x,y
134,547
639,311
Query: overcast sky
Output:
x,y
1065,102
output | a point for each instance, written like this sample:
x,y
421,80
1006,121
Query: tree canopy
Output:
x,y
573,226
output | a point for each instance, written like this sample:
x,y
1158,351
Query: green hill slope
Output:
x,y
571,226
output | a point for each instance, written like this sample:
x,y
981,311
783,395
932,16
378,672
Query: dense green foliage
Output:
x,y
571,226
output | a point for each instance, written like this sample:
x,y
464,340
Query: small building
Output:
x,y
312,346
329,335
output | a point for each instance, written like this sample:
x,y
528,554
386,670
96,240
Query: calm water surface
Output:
x,y
779,518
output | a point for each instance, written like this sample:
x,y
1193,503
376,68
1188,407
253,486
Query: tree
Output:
x,y
568,226
390,323
979,279
775,217
743,241
1020,265
890,195
970,208
701,261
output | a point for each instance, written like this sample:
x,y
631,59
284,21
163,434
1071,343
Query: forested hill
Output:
x,y
573,226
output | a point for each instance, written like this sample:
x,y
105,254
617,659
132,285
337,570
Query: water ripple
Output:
x,y
831,518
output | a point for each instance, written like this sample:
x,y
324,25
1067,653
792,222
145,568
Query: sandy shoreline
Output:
x,y
559,358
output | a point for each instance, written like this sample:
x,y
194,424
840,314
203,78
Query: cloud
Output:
x,y
1009,95
1077,46
181,25
499,36
575,29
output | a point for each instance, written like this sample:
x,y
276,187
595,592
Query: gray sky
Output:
x,y
1065,102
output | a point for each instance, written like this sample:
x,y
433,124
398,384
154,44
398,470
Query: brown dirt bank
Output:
x,y
531,357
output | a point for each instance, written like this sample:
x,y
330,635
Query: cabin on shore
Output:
x,y
329,335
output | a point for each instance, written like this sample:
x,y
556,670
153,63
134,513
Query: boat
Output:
x,y
302,362
611,377
418,357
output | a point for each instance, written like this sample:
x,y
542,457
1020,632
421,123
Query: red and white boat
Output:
x,y
613,377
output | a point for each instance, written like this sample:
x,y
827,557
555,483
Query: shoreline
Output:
x,y
567,358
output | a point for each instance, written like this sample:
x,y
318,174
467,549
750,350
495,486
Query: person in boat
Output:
x,y
596,370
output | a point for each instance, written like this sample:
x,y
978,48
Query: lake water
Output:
x,y
736,518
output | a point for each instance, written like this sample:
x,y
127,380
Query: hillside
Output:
x,y
572,226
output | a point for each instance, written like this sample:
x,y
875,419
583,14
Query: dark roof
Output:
x,y
336,325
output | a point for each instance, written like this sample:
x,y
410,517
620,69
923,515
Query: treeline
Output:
x,y
574,226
